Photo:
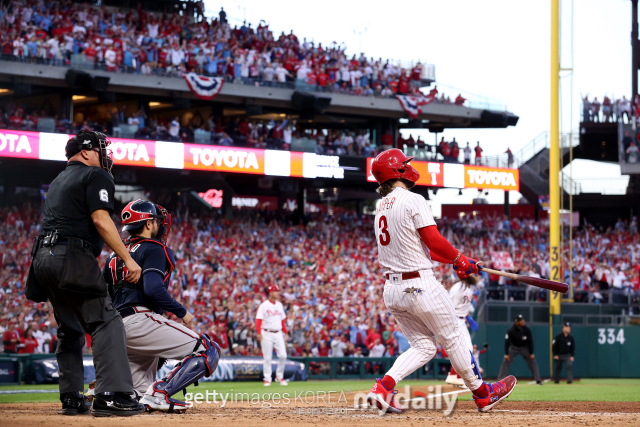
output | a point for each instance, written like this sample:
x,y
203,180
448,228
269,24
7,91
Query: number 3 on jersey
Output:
x,y
384,237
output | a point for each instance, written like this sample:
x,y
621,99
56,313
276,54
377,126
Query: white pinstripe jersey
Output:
x,y
271,315
461,296
400,248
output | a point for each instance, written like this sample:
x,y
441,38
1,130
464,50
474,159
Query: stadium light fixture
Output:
x,y
157,104
4,90
78,97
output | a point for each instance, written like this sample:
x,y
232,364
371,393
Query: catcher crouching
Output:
x,y
150,336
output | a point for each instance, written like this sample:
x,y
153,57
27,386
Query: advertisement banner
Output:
x,y
234,368
133,152
15,143
177,155
502,261
269,203
491,178
224,159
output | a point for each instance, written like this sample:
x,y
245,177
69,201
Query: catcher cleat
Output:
x,y
164,403
497,392
91,393
384,399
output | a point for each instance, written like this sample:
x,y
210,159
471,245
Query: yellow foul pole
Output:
x,y
554,169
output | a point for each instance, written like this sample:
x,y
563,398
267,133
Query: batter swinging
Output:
x,y
408,240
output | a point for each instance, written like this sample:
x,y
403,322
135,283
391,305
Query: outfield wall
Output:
x,y
601,352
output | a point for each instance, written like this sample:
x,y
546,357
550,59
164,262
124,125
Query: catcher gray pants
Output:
x,y
524,352
78,315
151,336
566,358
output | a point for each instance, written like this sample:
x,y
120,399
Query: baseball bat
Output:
x,y
541,283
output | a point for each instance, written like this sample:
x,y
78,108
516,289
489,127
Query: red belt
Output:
x,y
405,276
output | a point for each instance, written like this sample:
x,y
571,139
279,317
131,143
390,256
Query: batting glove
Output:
x,y
465,267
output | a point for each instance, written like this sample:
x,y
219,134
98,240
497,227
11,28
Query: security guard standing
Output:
x,y
519,340
564,347
65,271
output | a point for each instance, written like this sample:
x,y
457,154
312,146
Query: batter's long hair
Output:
x,y
387,187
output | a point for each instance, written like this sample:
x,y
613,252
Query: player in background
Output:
x,y
461,294
408,240
141,305
270,324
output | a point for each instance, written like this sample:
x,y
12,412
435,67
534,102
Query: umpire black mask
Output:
x,y
95,141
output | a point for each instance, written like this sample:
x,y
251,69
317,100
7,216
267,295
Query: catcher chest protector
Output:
x,y
202,362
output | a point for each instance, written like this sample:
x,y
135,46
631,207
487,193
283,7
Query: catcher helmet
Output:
x,y
273,288
137,212
392,164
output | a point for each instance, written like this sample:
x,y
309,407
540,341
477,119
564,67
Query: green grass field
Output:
x,y
617,390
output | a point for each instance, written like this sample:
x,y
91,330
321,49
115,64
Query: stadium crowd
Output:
x,y
232,131
331,284
138,41
610,110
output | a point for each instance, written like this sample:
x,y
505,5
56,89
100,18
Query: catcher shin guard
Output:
x,y
202,362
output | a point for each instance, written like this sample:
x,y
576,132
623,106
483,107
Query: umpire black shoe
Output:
x,y
73,403
115,404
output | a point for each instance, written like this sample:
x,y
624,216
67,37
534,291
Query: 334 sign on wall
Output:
x,y
609,336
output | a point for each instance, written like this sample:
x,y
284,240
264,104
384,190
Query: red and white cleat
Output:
x,y
282,381
498,391
267,383
384,399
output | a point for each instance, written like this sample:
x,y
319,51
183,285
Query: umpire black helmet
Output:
x,y
92,141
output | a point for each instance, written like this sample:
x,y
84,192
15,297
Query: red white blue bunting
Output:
x,y
204,87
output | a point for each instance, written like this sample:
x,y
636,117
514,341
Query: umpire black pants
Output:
x,y
513,352
564,358
76,315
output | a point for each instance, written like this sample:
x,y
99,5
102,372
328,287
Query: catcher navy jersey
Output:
x,y
157,262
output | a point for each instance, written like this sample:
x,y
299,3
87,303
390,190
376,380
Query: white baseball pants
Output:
x,y
271,340
423,314
462,323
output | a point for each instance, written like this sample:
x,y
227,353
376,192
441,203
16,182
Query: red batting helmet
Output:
x,y
392,164
273,288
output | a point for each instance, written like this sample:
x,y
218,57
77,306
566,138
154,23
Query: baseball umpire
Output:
x,y
149,335
564,348
64,270
519,340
